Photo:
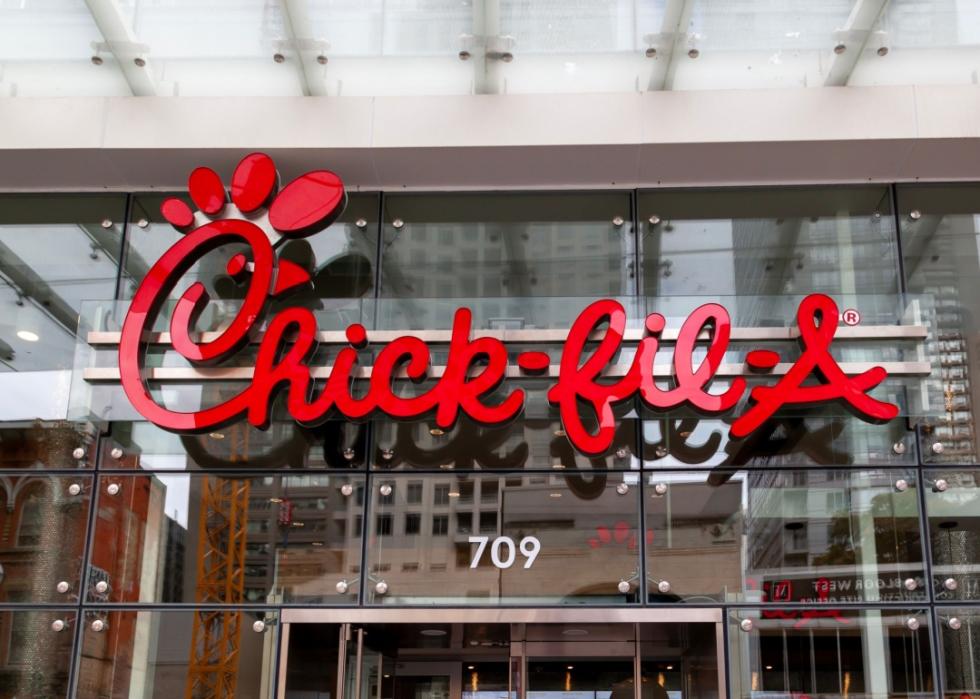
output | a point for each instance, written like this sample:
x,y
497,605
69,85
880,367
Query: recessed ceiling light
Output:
x,y
769,667
27,336
436,431
670,667
432,632
471,667
216,435
574,632
571,667
453,494
554,495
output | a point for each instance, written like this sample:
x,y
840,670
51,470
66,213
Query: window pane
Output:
x,y
55,252
771,244
546,540
166,538
793,537
953,506
830,652
510,245
959,634
44,445
45,519
36,649
940,229
149,654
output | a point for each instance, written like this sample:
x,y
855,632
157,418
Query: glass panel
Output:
x,y
941,246
45,520
163,654
771,243
783,537
41,293
36,652
52,48
680,662
959,635
311,667
44,445
332,445
830,652
227,539
340,258
524,443
953,507
493,245
545,539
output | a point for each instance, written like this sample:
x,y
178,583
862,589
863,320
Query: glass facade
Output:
x,y
841,558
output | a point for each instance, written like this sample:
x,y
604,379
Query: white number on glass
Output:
x,y
530,547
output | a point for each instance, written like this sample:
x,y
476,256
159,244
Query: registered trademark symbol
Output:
x,y
851,317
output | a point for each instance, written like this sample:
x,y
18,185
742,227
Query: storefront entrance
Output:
x,y
501,654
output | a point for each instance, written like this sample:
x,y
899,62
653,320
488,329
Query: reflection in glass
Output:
x,y
551,539
959,635
226,539
953,507
831,652
783,537
37,652
165,654
940,233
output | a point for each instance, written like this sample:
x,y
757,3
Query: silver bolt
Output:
x,y
349,454
465,55
361,223
910,584
74,489
618,221
899,447
940,485
346,489
651,52
507,57
143,223
839,49
938,448
663,586
623,587
99,626
78,453
746,625
876,215
58,625
882,51
622,489
113,488
342,587
107,223
385,490
63,587
96,60
950,584
140,62
116,453
660,489
387,454
901,485
278,58
621,453
660,452
915,214
102,587
321,59
258,626
693,53
912,623
398,223
654,220
954,623
381,588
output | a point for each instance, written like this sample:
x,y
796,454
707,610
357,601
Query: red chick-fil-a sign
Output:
x,y
475,366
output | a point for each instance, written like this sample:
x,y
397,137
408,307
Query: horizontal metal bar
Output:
x,y
478,615
245,373
552,335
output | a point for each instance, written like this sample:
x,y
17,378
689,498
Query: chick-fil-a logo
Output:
x,y
474,367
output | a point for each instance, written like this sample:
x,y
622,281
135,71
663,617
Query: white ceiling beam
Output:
x,y
670,40
851,40
311,53
124,46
